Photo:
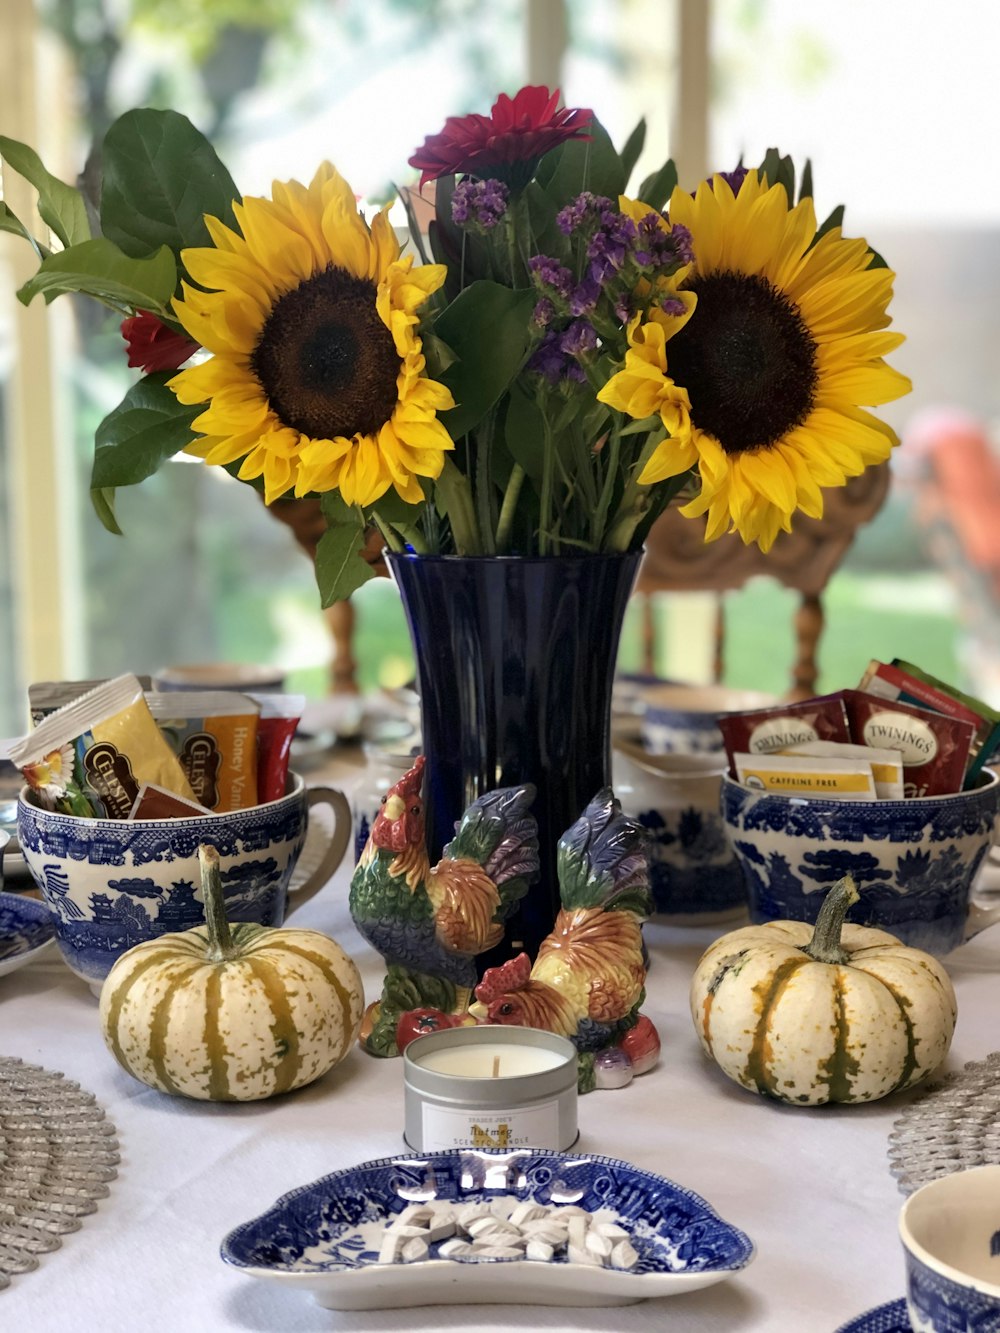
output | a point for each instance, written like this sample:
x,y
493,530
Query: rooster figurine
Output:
x,y
587,982
430,923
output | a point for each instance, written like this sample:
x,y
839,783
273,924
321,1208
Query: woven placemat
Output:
x,y
953,1125
57,1153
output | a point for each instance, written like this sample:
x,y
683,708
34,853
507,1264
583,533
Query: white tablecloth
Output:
x,y
811,1187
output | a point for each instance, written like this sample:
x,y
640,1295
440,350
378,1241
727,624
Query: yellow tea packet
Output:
x,y
887,765
91,756
214,735
795,775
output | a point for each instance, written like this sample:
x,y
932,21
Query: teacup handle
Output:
x,y
334,854
979,918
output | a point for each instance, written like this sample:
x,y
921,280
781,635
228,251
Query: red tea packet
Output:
x,y
279,718
768,730
935,749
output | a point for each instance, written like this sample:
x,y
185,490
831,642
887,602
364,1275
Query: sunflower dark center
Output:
x,y
325,359
747,360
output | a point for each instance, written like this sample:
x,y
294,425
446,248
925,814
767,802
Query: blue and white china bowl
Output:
x,y
684,719
889,1318
112,883
914,861
694,874
325,1237
950,1231
26,929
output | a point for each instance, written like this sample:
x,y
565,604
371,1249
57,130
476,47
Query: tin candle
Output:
x,y
490,1087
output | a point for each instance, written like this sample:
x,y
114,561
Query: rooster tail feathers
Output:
x,y
499,832
602,860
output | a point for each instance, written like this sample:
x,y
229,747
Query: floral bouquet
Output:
x,y
552,363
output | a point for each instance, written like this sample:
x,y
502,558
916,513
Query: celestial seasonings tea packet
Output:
x,y
91,756
768,730
934,748
280,715
156,803
214,735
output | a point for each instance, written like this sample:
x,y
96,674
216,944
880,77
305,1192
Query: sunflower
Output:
x,y
785,341
316,380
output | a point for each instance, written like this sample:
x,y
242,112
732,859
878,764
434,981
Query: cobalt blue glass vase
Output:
x,y
515,663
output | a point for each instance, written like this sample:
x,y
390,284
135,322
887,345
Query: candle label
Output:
x,y
519,1127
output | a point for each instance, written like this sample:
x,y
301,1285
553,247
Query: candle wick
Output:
x,y
496,1066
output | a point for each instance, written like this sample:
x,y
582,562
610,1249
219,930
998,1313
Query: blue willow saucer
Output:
x,y
26,928
890,1318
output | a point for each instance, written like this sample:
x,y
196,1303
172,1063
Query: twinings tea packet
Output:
x,y
45,696
934,748
279,717
214,735
91,756
886,765
156,803
921,688
801,775
767,730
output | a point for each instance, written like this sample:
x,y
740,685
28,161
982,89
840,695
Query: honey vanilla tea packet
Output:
x,y
91,756
214,735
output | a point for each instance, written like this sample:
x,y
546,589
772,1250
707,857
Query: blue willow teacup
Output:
x,y
913,861
112,883
950,1231
684,719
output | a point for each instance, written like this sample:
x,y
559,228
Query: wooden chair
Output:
x,y
679,560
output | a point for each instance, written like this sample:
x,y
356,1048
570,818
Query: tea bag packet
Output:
x,y
768,730
91,756
911,685
934,749
46,696
214,735
886,765
806,775
156,803
279,718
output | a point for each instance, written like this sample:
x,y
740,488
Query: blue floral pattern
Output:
x,y
692,868
914,861
25,925
941,1306
322,1227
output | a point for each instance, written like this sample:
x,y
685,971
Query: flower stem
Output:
x,y
509,507
391,539
456,500
635,503
545,497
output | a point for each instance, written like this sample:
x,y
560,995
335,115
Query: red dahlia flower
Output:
x,y
505,145
153,345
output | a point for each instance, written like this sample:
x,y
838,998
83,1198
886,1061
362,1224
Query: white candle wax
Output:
x,y
496,1060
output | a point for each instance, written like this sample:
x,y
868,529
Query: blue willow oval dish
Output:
x,y
325,1237
26,928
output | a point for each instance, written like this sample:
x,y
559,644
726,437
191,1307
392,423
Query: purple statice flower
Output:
x,y
683,244
654,247
552,363
609,246
479,204
584,296
550,273
544,312
623,307
574,215
672,305
735,178
578,338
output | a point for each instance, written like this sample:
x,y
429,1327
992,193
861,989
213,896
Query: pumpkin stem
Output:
x,y
220,941
825,944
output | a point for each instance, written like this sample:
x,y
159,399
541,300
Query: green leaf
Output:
x,y
779,171
876,260
411,218
60,206
524,432
160,176
488,327
340,567
655,190
98,268
147,427
836,219
806,188
642,427
581,165
10,222
634,145
103,500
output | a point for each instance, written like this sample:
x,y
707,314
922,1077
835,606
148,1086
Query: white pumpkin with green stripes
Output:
x,y
231,1013
839,1013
